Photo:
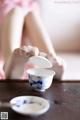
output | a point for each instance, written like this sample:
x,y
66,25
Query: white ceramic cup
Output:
x,y
40,79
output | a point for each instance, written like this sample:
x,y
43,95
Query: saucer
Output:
x,y
40,61
29,105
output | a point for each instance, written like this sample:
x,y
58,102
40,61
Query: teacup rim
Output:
x,y
52,72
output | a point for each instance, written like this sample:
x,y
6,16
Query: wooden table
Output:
x,y
64,99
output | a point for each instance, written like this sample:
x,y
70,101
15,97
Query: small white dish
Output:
x,y
40,61
30,105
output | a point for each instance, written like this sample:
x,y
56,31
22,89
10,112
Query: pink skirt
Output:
x,y
7,5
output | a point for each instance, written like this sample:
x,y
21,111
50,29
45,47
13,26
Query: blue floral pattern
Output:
x,y
19,103
36,82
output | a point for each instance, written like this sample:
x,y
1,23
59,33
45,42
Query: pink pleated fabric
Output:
x,y
7,5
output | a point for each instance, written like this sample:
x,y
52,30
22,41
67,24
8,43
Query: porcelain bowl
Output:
x,y
40,79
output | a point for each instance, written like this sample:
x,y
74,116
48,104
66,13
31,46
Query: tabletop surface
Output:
x,y
64,100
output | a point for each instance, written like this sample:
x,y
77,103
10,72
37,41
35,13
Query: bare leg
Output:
x,y
37,33
39,37
11,34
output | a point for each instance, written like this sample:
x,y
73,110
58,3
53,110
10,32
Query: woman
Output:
x,y
23,26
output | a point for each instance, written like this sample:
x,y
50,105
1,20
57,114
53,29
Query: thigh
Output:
x,y
37,33
12,27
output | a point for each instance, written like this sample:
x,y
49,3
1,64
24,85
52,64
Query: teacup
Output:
x,y
40,79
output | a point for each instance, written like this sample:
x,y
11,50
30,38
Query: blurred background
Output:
x,y
62,21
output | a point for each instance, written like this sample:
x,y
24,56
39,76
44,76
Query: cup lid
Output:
x,y
40,61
